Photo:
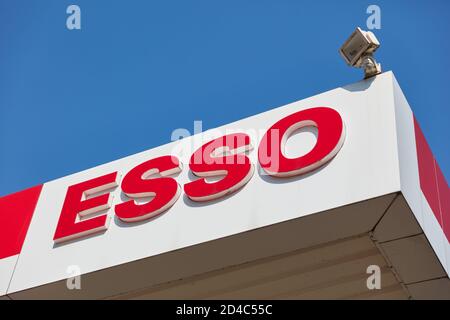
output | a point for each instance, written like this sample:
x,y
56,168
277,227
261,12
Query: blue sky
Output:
x,y
70,100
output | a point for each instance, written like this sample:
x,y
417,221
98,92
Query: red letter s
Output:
x,y
216,158
137,184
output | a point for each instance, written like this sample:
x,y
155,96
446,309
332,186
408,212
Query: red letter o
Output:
x,y
331,136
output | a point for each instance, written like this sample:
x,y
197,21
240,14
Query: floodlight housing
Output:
x,y
358,52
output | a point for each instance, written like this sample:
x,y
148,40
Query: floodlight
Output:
x,y
358,52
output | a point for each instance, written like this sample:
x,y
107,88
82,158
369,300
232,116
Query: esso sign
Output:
x,y
222,157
